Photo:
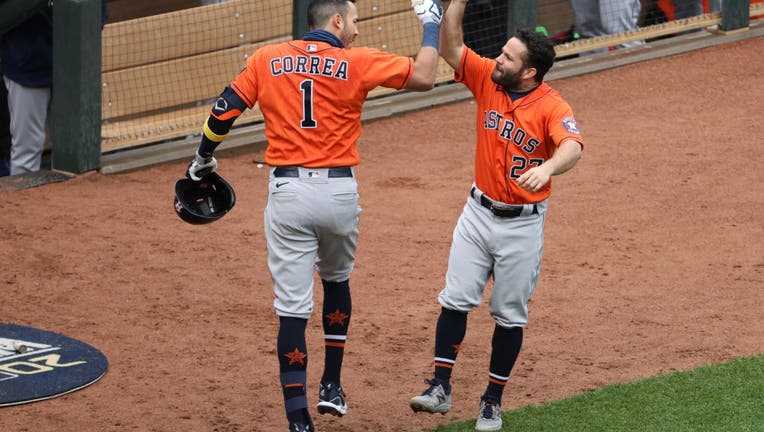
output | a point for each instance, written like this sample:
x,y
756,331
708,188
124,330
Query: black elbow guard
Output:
x,y
228,105
227,108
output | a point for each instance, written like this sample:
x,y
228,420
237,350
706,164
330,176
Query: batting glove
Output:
x,y
428,11
201,166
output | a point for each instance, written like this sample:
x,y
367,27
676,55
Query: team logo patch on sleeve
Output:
x,y
569,123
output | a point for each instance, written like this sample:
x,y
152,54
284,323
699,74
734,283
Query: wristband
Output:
x,y
431,34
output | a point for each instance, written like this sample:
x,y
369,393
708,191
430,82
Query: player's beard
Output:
x,y
510,81
347,37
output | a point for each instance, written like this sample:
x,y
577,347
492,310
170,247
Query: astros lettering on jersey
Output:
x,y
510,137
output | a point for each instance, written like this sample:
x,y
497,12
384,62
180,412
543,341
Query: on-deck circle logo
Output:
x,y
37,364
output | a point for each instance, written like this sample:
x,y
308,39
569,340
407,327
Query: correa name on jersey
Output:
x,y
311,65
493,120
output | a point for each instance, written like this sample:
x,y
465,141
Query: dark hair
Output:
x,y
319,11
540,51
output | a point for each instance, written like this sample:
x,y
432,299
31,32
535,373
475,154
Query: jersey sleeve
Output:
x,y
563,126
245,84
475,72
384,69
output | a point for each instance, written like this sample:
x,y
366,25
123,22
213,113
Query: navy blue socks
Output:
x,y
293,362
506,345
449,333
335,319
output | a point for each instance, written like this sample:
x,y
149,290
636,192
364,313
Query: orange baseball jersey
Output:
x,y
513,136
312,93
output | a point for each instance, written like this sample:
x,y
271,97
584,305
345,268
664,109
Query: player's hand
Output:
x,y
200,167
534,179
428,11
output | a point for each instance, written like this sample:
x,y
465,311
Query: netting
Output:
x,y
161,71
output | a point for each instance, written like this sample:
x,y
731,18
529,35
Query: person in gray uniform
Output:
x,y
603,17
26,52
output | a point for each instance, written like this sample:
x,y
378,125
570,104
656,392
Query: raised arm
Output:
x,y
426,63
451,34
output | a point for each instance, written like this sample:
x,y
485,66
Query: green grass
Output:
x,y
727,397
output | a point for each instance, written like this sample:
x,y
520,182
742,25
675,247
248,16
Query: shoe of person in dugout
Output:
x,y
331,400
489,418
433,400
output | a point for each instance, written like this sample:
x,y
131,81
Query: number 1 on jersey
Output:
x,y
306,87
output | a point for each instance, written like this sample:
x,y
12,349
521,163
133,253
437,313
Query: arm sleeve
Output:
x,y
224,112
241,94
563,126
474,72
384,69
245,84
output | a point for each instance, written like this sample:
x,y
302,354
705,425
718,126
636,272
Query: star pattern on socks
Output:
x,y
296,357
337,317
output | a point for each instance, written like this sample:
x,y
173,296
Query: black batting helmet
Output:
x,y
204,201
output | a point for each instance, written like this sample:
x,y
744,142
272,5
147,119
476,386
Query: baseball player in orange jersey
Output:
x,y
311,93
526,133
